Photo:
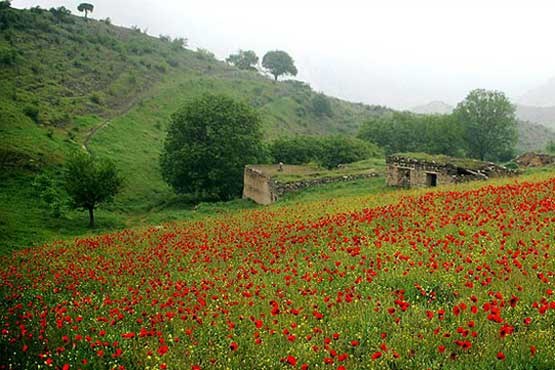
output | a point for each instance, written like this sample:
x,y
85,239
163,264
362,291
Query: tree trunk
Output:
x,y
91,217
275,78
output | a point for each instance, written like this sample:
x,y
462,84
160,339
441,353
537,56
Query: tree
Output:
x,y
5,4
209,142
338,150
279,63
90,182
244,59
85,7
489,124
321,105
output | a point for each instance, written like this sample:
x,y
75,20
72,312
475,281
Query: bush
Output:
x,y
321,105
209,142
8,56
342,149
50,193
297,150
32,112
327,151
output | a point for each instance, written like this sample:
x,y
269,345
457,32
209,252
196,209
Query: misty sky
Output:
x,y
389,52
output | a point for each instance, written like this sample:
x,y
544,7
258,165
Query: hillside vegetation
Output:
x,y
67,82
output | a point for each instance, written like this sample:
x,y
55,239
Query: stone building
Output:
x,y
420,170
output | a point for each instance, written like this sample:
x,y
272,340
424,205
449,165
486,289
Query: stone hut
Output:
x,y
421,170
531,159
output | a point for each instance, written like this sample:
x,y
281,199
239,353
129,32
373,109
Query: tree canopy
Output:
x,y
244,59
410,132
327,151
209,142
489,124
85,7
90,181
279,63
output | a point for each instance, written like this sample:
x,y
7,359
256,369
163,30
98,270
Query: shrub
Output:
x,y
8,56
321,105
327,151
32,111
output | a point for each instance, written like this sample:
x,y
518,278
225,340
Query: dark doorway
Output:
x,y
431,179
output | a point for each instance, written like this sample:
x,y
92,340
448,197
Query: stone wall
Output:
x,y
534,159
257,186
263,189
280,189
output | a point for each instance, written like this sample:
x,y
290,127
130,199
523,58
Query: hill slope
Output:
x,y
67,82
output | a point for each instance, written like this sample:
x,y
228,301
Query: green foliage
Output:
x,y
296,150
328,151
344,149
321,105
8,56
179,43
409,132
50,193
32,111
244,59
85,7
61,14
204,54
209,142
489,124
550,148
5,4
90,182
279,63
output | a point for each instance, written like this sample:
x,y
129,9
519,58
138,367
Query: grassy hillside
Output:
x,y
67,82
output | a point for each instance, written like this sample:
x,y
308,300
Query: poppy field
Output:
x,y
452,279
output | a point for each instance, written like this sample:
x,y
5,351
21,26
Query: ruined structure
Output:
x,y
261,185
531,159
428,171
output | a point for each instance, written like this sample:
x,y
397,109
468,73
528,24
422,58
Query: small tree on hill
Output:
x,y
85,7
279,63
321,105
489,123
244,59
209,142
90,182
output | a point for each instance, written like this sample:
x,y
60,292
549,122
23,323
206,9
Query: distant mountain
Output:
x,y
541,96
435,107
533,137
541,115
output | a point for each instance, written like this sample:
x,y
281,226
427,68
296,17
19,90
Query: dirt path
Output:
x,y
124,109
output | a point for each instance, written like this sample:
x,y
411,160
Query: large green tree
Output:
x,y
85,7
90,181
279,63
489,124
209,142
244,59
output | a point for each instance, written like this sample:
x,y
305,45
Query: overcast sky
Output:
x,y
390,52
